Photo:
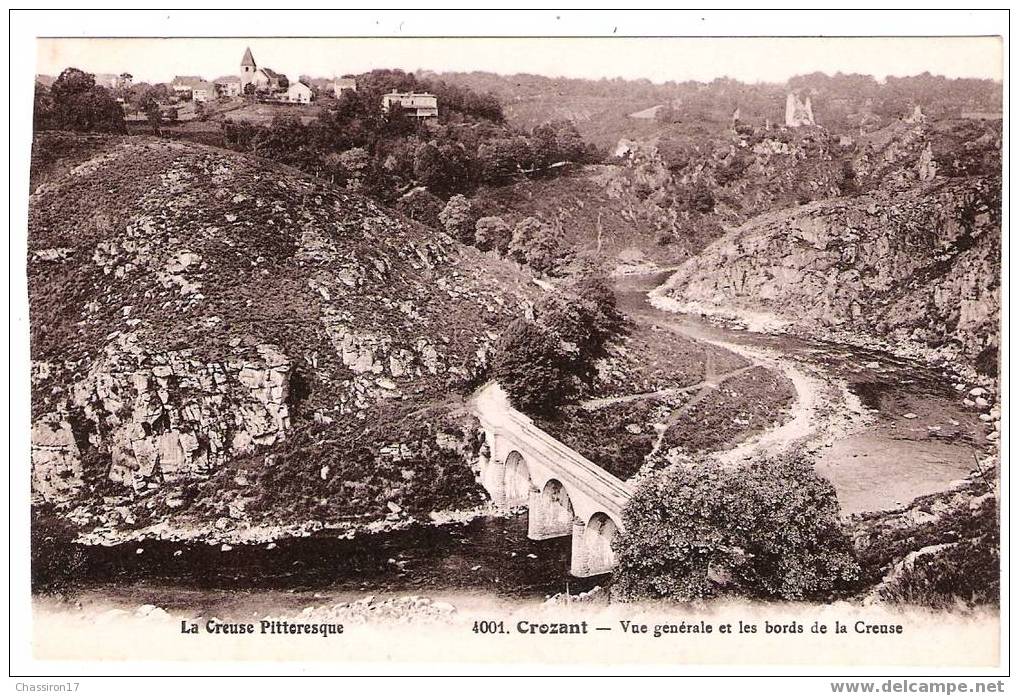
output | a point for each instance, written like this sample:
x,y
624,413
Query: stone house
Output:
x,y
228,86
183,85
202,92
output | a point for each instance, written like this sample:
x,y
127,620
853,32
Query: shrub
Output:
x,y
699,198
538,245
357,467
492,233
769,529
949,559
458,219
421,206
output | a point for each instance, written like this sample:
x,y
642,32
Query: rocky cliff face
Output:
x,y
190,307
920,264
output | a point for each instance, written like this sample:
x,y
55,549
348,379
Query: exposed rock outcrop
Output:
x,y
922,266
56,461
192,307
164,416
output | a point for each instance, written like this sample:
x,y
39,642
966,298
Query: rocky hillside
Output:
x,y
664,198
192,308
917,262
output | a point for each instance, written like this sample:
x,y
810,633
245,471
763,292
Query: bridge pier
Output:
x,y
579,562
493,480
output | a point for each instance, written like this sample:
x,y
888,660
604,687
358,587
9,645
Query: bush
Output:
x,y
421,206
769,529
698,198
492,233
539,246
528,364
458,219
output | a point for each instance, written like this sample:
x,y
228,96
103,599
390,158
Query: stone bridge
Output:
x,y
565,493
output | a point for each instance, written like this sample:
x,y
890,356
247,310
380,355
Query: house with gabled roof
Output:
x,y
300,93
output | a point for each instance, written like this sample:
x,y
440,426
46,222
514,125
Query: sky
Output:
x,y
656,59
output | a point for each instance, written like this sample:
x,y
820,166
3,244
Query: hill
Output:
x,y
918,265
210,330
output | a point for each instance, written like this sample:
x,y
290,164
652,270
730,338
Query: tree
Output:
x,y
583,316
430,168
154,115
142,93
43,108
492,233
528,364
537,245
557,141
80,105
458,219
768,529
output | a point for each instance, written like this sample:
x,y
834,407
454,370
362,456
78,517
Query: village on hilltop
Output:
x,y
189,94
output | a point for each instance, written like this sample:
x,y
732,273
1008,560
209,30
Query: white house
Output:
x,y
183,85
419,104
300,93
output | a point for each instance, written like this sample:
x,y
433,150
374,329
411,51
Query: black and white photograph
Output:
x,y
580,348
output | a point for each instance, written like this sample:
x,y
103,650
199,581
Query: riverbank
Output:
x,y
886,425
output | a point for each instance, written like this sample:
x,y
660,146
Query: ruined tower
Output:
x,y
798,113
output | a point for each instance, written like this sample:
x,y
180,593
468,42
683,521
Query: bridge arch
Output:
x,y
516,479
599,534
550,511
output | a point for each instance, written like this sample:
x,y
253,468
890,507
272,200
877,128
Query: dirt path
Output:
x,y
712,379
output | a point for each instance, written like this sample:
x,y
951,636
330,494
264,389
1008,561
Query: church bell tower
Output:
x,y
248,69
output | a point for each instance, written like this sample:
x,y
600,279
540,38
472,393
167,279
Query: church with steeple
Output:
x,y
261,79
